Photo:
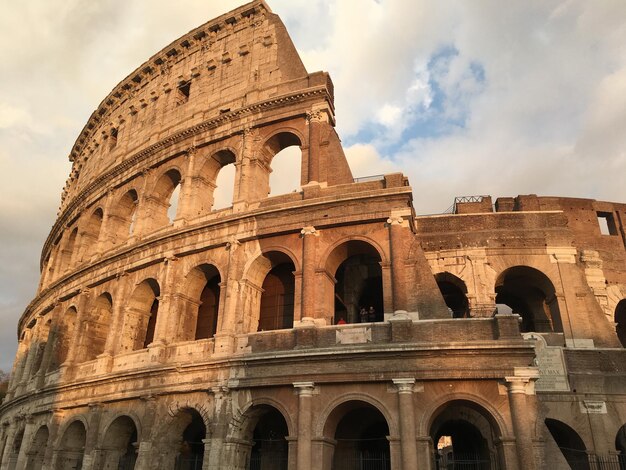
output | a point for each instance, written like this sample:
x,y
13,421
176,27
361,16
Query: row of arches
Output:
x,y
173,193
195,308
356,435
519,289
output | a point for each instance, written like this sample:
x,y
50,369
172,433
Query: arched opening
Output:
x,y
620,321
190,454
63,337
72,447
217,181
277,298
43,335
285,154
37,451
141,316
68,251
15,449
360,432
620,447
454,292
91,234
358,282
165,199
464,436
96,327
120,445
224,187
529,293
570,444
270,449
203,286
121,223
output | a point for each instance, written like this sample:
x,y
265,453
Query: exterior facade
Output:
x,y
327,328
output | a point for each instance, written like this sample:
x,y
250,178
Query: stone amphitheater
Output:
x,y
326,328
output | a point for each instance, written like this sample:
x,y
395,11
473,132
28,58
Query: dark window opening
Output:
x,y
191,453
277,302
570,444
359,290
183,92
151,323
112,138
454,294
606,223
270,449
206,325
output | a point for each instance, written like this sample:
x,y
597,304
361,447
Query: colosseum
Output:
x,y
327,328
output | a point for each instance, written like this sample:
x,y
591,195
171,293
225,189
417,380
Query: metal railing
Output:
x,y
362,460
465,461
189,462
365,179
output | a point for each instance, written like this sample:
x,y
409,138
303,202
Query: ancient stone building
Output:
x,y
168,334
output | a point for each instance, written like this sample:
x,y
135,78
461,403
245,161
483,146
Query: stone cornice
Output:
x,y
70,210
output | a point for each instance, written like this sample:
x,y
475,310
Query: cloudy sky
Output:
x,y
465,97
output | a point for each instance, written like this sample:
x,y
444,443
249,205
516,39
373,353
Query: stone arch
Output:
x,y
201,312
141,316
91,233
119,443
569,442
354,268
65,261
71,447
283,159
160,198
16,447
530,293
270,290
261,431
43,336
210,173
620,321
181,441
95,329
122,218
454,292
63,334
359,430
463,430
37,449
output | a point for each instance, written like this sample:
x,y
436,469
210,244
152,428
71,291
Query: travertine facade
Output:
x,y
234,338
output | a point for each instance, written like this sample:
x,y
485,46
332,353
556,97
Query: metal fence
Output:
x,y
362,460
189,462
274,461
127,462
465,461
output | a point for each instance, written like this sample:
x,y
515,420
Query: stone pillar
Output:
x,y
218,429
29,431
314,119
396,225
520,386
165,330
49,348
227,314
76,345
120,296
424,452
91,439
26,353
145,451
305,392
8,457
406,412
309,246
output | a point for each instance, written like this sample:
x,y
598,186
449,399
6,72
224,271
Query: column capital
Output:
x,y
309,230
304,389
404,385
523,380
395,220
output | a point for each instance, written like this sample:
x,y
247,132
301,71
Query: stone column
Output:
x,y
23,454
75,349
309,245
8,446
218,429
520,386
314,119
406,412
305,392
165,330
91,439
396,225
120,297
49,348
224,338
